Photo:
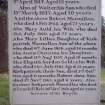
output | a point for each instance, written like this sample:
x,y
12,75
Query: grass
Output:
x,y
103,81
103,74
4,89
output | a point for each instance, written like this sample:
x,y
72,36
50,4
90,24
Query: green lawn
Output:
x,y
103,74
4,89
103,77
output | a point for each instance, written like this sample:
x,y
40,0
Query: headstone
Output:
x,y
54,52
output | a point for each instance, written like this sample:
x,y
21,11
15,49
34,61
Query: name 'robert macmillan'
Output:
x,y
50,2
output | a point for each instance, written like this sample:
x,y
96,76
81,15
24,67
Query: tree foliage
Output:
x,y
103,42
3,5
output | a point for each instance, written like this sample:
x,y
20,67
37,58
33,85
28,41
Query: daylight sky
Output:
x,y
103,8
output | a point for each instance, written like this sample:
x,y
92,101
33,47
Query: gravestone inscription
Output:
x,y
54,51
